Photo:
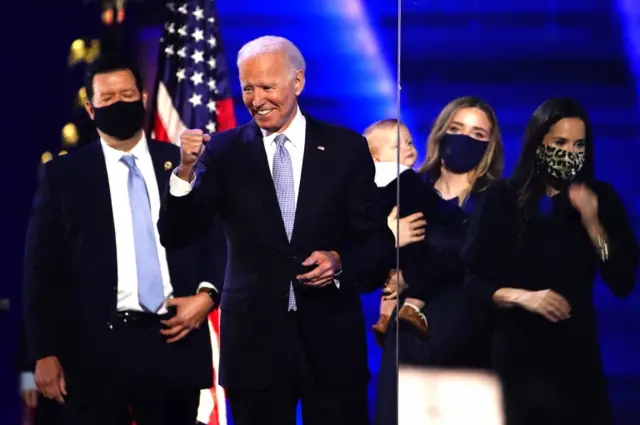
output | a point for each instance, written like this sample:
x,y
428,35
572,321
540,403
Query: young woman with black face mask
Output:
x,y
440,326
534,249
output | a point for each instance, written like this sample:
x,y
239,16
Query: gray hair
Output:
x,y
273,44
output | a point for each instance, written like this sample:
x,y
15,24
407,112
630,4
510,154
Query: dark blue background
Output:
x,y
513,54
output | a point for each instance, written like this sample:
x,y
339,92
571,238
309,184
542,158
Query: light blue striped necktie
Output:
x,y
150,290
283,182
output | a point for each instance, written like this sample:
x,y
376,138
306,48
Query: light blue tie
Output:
x,y
150,290
283,182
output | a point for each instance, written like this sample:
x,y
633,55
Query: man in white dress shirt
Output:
x,y
112,317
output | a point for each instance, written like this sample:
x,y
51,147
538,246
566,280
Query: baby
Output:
x,y
382,138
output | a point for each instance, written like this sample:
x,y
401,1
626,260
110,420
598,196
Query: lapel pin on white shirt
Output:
x,y
321,148
168,165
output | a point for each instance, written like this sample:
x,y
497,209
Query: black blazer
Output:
x,y
416,194
70,270
335,211
22,355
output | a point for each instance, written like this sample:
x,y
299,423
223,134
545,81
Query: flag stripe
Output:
x,y
159,133
168,116
226,118
212,409
219,413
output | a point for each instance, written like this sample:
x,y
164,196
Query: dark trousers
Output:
x,y
48,412
320,405
147,404
137,384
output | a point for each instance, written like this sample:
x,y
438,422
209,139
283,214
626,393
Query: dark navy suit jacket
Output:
x,y
70,274
335,211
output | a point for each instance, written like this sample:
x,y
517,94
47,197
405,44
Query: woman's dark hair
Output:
x,y
529,178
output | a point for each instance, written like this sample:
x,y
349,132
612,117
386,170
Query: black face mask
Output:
x,y
461,153
120,120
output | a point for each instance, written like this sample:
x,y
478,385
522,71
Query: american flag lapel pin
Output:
x,y
167,165
321,148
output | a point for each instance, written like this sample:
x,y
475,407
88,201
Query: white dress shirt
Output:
x,y
118,174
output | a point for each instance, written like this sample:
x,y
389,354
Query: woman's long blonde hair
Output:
x,y
492,163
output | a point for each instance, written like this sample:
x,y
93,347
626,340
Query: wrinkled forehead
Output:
x,y
264,65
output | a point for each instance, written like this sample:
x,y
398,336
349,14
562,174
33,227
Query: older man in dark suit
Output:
x,y
296,197
113,318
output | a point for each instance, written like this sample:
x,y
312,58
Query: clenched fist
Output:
x,y
191,146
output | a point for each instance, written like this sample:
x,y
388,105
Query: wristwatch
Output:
x,y
213,294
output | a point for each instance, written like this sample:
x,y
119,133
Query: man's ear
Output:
x,y
299,81
89,108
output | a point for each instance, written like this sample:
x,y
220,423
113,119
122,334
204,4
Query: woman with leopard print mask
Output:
x,y
534,249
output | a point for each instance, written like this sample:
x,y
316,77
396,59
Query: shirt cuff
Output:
x,y
207,285
27,382
337,281
179,187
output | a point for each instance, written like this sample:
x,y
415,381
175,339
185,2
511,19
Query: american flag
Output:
x,y
192,91
192,85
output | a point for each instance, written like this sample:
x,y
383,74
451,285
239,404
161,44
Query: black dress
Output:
x,y
551,372
460,329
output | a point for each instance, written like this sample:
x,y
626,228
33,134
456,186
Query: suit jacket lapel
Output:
x,y
163,164
96,192
263,180
310,180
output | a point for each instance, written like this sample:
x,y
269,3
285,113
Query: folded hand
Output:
x,y
191,312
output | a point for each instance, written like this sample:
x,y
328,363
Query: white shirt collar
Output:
x,y
386,172
295,133
139,150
